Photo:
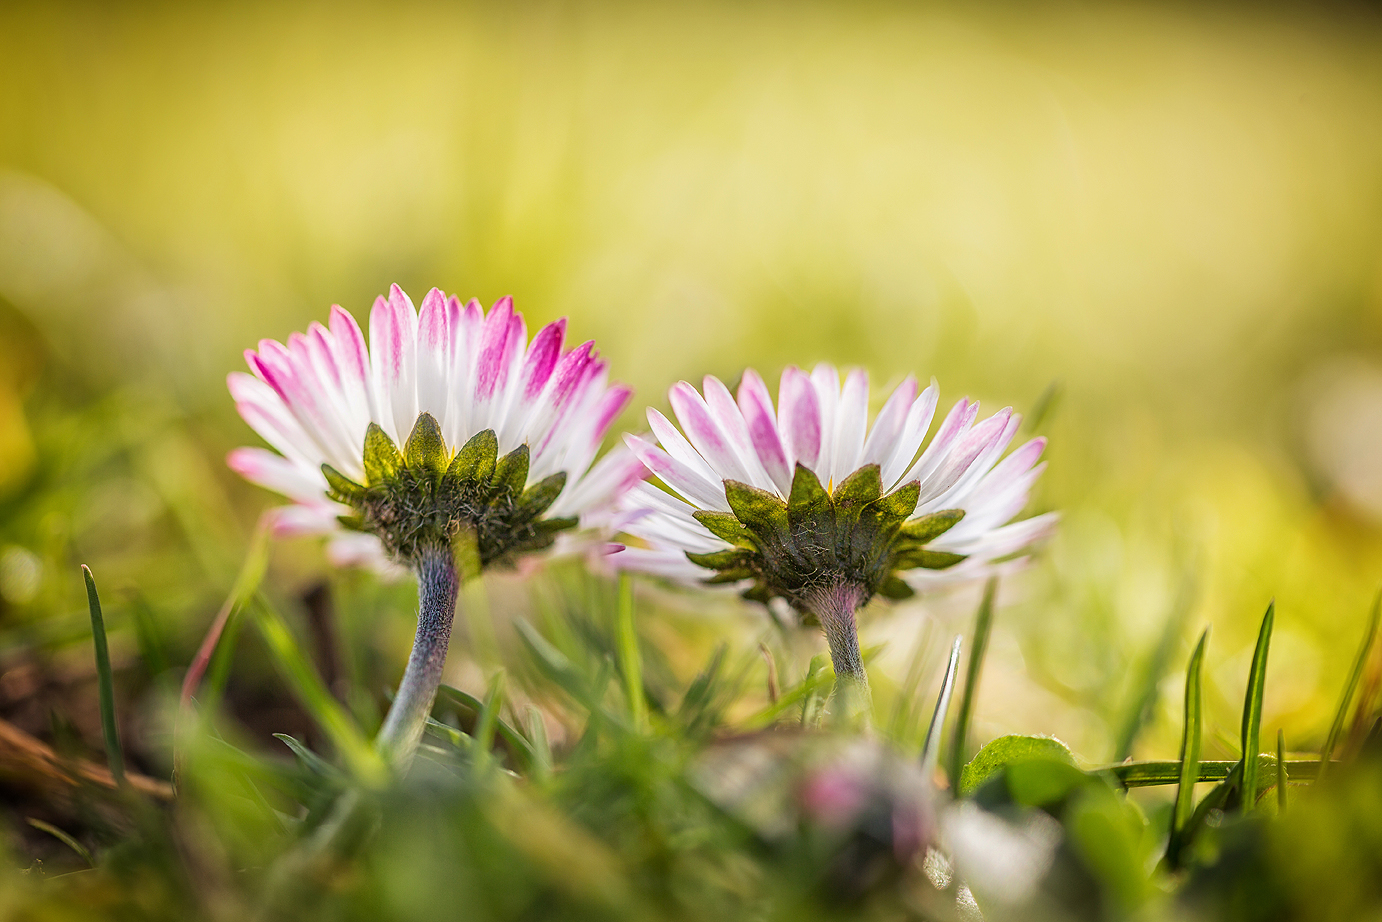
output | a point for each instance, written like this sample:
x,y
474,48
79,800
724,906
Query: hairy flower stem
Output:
x,y
834,605
437,586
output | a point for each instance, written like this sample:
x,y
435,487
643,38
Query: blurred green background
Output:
x,y
1167,218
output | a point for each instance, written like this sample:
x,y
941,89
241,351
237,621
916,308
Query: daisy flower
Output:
x,y
450,436
803,501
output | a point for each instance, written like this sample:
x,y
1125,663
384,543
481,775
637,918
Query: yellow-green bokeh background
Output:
x,y
1171,211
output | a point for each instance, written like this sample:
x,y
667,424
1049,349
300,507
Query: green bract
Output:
x,y
423,496
854,536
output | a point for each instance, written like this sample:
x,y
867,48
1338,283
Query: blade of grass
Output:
x,y
64,838
931,749
1190,740
1252,709
311,692
246,585
489,713
1336,729
628,655
1280,771
105,681
540,747
1148,683
1154,774
515,740
309,759
983,625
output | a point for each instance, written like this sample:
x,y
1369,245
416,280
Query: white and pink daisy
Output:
x,y
449,438
314,399
802,500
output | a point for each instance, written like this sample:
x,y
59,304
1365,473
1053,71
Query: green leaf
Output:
x,y
927,559
105,683
382,458
1011,750
860,488
721,560
538,498
900,503
476,459
425,450
807,498
760,510
1252,709
1336,729
726,527
932,525
1189,753
983,625
341,488
510,473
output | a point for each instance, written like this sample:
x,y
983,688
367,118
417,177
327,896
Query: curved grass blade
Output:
x,y
311,692
931,750
1336,729
983,625
105,682
82,851
1189,751
540,747
1252,709
524,750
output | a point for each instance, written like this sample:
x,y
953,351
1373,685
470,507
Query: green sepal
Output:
x,y
807,498
863,486
555,525
541,495
726,527
927,559
930,527
721,560
895,588
342,488
382,457
729,576
425,450
476,459
758,509
758,592
352,522
510,473
899,504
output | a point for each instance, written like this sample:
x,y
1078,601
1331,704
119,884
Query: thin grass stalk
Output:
x,y
1336,729
105,681
1252,710
983,626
